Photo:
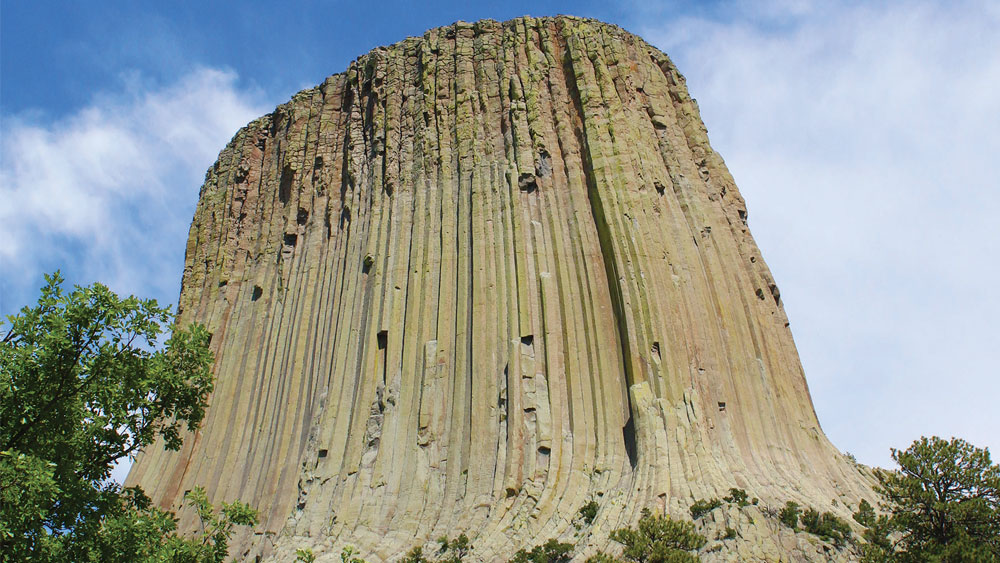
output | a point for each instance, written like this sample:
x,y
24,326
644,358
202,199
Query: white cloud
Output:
x,y
865,140
107,193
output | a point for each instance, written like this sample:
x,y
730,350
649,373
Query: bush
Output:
x,y
865,514
348,555
789,515
737,496
453,551
588,512
415,555
702,507
658,538
827,526
551,551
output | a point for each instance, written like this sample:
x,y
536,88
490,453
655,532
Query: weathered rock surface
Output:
x,y
481,278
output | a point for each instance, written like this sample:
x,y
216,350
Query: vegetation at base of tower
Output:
x,y
942,504
587,513
737,497
551,551
347,555
305,555
83,384
702,507
656,539
827,526
789,515
449,551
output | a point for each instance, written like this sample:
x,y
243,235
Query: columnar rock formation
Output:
x,y
481,278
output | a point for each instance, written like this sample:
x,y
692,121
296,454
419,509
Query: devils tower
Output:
x,y
479,279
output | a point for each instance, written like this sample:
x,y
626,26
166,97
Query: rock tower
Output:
x,y
482,278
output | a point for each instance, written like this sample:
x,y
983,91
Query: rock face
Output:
x,y
481,278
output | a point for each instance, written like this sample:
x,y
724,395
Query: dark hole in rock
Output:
x,y
722,406
302,216
660,188
527,183
223,283
345,217
544,450
743,215
257,292
367,263
285,185
291,239
322,453
760,294
753,259
656,351
511,491
775,293
318,163
528,339
383,339
302,505
544,164
628,432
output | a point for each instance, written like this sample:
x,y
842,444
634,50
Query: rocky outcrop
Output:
x,y
478,280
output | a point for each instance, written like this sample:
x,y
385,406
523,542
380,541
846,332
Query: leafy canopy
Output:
x,y
658,539
944,502
83,385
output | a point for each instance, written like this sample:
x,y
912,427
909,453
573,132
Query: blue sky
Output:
x,y
864,137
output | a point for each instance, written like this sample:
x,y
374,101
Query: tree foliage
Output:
x,y
551,551
789,515
657,539
702,507
84,384
449,551
827,525
943,504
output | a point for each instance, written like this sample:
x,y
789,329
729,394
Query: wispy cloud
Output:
x,y
864,137
107,193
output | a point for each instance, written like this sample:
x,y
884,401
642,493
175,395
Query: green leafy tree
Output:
x,y
83,385
657,539
943,505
